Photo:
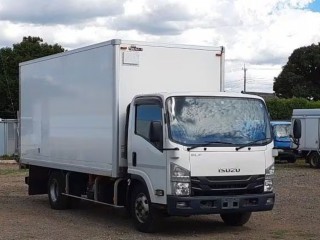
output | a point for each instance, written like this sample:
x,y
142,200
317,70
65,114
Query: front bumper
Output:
x,y
183,206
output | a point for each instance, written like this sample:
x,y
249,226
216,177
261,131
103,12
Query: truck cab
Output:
x,y
282,140
200,153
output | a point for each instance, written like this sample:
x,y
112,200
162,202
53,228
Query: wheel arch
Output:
x,y
143,179
135,180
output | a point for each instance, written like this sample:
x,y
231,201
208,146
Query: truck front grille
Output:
x,y
221,186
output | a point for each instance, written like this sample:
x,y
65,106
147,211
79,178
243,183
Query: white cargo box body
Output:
x,y
73,104
310,120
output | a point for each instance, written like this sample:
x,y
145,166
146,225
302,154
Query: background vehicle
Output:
x,y
309,142
105,123
282,140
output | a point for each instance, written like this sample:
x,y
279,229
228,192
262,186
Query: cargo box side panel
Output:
x,y
146,69
67,111
312,133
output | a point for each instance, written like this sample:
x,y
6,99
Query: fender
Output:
x,y
144,179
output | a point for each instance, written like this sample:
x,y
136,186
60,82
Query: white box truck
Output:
x,y
146,127
308,146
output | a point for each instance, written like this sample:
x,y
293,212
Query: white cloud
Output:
x,y
58,11
260,33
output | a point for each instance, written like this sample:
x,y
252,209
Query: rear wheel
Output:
x,y
145,217
314,160
236,219
56,186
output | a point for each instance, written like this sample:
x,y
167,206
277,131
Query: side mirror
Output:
x,y
155,132
297,128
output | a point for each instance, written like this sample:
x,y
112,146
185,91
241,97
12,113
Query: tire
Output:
x,y
314,160
236,219
56,186
145,217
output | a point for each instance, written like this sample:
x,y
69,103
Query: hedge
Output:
x,y
281,109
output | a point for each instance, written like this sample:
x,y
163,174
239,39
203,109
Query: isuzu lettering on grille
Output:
x,y
228,170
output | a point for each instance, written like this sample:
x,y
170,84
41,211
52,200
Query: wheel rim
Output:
x,y
142,208
54,190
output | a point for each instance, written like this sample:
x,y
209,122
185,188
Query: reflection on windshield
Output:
x,y
199,120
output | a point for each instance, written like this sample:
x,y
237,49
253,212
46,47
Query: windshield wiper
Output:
x,y
252,143
207,144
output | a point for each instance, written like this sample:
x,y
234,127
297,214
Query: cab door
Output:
x,y
146,158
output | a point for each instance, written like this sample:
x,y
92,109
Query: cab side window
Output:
x,y
146,116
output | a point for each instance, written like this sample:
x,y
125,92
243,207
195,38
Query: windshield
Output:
x,y
220,120
281,131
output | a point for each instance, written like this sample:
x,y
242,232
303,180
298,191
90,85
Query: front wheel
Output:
x,y
236,219
145,217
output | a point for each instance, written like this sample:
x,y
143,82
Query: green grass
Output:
x,y
12,172
279,234
8,157
305,235
285,234
300,163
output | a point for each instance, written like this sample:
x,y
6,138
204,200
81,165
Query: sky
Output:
x,y
258,33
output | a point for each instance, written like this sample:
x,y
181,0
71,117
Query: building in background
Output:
x,y
8,137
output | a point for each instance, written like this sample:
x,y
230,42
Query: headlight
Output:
x,y
181,188
180,179
268,181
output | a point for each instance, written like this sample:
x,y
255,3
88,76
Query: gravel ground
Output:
x,y
295,215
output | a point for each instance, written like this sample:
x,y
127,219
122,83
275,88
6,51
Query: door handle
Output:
x,y
134,159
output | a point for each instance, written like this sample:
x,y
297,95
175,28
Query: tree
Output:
x,y
30,48
300,77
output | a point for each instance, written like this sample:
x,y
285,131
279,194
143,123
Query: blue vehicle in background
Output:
x,y
282,140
